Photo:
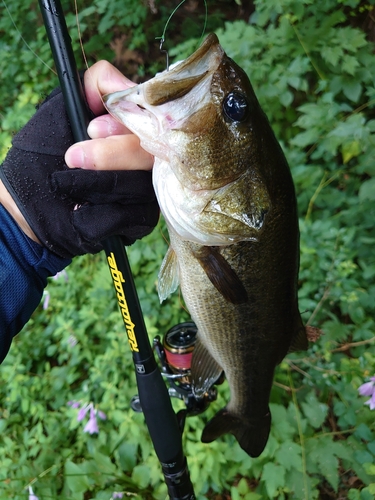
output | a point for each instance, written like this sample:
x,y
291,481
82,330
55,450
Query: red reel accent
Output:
x,y
178,360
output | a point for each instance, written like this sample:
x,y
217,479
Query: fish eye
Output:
x,y
235,107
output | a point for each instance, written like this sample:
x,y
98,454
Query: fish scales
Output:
x,y
226,192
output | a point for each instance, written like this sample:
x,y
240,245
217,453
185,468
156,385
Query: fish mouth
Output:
x,y
180,79
154,106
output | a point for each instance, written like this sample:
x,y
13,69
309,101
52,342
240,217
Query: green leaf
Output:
x,y
362,456
75,477
234,493
367,190
350,64
274,478
353,494
314,410
281,426
332,54
306,138
323,453
367,494
289,455
252,496
128,455
364,432
286,98
371,488
301,484
350,150
352,89
104,463
369,468
141,475
370,446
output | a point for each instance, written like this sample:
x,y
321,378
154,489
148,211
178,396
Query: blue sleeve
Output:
x,y
24,268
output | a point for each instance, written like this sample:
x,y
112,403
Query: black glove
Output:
x,y
72,210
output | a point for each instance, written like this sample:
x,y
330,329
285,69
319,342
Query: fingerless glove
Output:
x,y
72,210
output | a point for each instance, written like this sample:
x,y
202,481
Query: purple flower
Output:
x,y
92,425
31,494
46,300
74,404
72,341
368,389
371,401
102,415
82,412
61,273
117,494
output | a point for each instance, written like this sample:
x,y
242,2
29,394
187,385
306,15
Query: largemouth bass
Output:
x,y
226,192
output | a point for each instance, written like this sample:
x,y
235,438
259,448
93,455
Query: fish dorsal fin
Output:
x,y
221,275
205,371
168,279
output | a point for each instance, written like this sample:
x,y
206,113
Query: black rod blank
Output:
x,y
160,417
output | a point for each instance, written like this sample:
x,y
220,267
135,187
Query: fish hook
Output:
x,y
163,51
162,39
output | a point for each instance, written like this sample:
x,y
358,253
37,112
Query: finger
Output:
x,y
106,125
103,78
117,152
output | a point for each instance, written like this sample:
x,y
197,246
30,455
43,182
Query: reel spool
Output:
x,y
178,344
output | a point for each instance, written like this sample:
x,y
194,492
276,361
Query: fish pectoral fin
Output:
x,y
221,275
205,370
299,342
246,200
252,437
168,279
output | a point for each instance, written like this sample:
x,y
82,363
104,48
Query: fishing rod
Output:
x,y
163,425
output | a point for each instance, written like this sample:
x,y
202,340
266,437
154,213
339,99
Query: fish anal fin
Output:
x,y
221,275
168,279
252,437
205,370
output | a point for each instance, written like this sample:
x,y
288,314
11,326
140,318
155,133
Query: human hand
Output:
x,y
113,146
71,210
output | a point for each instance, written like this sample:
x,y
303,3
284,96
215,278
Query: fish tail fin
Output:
x,y
252,437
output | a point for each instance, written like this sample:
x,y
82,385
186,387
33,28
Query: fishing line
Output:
x,y
24,41
162,37
88,69
80,34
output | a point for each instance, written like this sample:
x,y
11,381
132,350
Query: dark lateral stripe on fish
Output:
x,y
221,275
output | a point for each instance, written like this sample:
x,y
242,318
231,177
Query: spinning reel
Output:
x,y
174,353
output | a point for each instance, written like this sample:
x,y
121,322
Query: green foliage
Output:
x,y
122,31
313,71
